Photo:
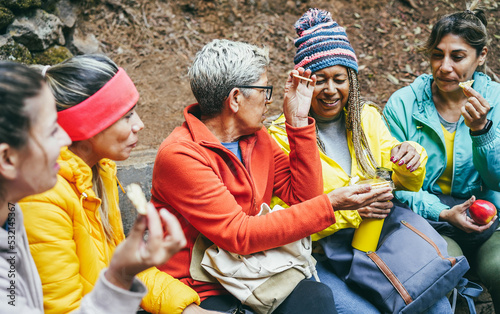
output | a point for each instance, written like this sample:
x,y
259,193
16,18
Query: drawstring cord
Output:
x,y
84,218
121,186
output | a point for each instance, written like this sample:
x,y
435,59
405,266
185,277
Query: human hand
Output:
x,y
357,196
297,99
135,254
404,153
457,216
195,309
475,110
378,210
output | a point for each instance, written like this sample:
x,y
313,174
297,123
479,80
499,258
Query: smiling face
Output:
x,y
117,141
331,93
454,61
252,108
38,163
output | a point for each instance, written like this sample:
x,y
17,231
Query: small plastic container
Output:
x,y
366,236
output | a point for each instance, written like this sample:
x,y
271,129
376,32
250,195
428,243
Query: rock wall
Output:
x,y
42,32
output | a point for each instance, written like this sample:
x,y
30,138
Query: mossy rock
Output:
x,y
16,52
51,56
21,5
6,17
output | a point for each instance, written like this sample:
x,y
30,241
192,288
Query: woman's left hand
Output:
x,y
378,210
405,154
475,110
298,95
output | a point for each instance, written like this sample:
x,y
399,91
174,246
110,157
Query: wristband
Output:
x,y
486,128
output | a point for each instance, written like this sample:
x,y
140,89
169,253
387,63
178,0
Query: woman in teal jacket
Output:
x,y
459,129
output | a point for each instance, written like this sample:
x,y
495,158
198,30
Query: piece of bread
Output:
x,y
137,197
466,83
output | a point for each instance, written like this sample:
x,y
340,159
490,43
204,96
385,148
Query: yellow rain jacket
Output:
x,y
68,244
381,143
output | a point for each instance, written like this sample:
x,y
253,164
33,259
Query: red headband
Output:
x,y
100,110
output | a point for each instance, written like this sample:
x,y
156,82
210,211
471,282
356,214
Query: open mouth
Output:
x,y
329,103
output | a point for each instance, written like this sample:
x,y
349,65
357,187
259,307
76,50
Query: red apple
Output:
x,y
482,212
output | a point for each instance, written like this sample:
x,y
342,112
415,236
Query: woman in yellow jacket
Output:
x,y
74,228
351,135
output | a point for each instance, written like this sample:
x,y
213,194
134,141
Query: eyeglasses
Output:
x,y
269,89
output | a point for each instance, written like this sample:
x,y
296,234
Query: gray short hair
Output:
x,y
220,66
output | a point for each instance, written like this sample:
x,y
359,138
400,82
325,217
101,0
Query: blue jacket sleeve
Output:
x,y
486,156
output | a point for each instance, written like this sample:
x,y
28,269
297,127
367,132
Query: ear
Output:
x,y
482,56
9,158
233,100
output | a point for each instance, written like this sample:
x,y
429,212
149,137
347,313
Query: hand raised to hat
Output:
x,y
298,95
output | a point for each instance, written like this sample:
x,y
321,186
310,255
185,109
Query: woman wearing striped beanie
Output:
x,y
352,139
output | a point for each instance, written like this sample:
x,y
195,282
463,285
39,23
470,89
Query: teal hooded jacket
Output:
x,y
412,116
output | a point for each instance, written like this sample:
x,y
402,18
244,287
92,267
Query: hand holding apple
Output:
x,y
482,212
457,216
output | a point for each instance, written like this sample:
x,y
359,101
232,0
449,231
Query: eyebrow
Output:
x,y
456,50
131,109
336,75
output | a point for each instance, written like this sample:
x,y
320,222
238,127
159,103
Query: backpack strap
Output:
x,y
468,290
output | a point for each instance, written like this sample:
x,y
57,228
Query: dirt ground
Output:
x,y
156,40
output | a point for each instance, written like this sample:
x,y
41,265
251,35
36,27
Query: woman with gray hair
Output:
x,y
217,169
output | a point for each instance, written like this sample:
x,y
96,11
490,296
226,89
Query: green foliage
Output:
x,y
6,17
21,5
16,52
51,56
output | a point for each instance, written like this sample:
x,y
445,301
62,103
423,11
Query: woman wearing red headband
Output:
x,y
30,140
74,228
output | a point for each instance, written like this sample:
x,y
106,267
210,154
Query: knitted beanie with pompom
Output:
x,y
322,42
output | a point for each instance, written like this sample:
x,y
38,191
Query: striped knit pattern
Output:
x,y
322,43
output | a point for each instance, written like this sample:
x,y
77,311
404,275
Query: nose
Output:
x,y
137,125
330,87
446,65
64,139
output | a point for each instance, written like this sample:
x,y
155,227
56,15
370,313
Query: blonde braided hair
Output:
x,y
364,156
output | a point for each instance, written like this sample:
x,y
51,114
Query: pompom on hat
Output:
x,y
322,43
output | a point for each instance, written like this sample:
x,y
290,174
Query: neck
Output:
x,y
224,128
83,150
327,119
448,104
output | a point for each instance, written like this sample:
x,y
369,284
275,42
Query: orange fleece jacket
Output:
x,y
211,191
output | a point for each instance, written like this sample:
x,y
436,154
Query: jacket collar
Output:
x,y
77,172
199,131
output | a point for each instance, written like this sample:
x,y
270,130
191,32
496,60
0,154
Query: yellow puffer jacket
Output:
x,y
67,239
381,143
